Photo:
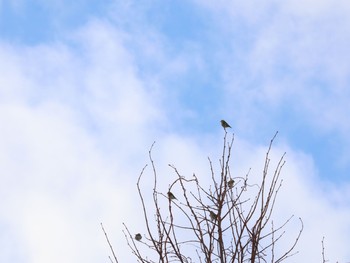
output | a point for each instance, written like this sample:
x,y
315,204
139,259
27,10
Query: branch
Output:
x,y
110,245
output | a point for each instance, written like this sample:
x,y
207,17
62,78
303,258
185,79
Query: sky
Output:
x,y
87,87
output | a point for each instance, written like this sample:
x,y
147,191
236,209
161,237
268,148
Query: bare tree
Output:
x,y
229,222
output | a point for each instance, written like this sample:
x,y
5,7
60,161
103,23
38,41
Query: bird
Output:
x,y
138,237
230,183
171,196
224,124
213,216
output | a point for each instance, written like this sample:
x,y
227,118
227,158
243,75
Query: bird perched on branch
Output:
x,y
230,183
171,196
224,124
213,216
138,237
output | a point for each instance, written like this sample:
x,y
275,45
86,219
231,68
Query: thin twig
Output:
x,y
110,245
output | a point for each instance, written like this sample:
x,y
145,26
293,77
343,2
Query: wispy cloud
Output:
x,y
74,119
286,68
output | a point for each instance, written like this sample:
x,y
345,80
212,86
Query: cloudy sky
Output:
x,y
87,86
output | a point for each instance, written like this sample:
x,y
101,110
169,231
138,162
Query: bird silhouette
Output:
x,y
213,216
171,196
224,124
138,237
230,183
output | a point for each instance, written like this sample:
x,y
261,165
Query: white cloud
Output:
x,y
294,53
55,184
74,121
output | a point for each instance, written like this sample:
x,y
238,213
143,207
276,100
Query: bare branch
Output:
x,y
110,245
225,222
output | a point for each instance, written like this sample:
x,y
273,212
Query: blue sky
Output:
x,y
86,87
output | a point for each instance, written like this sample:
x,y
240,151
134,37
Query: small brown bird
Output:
x,y
213,216
138,237
171,196
224,124
230,183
